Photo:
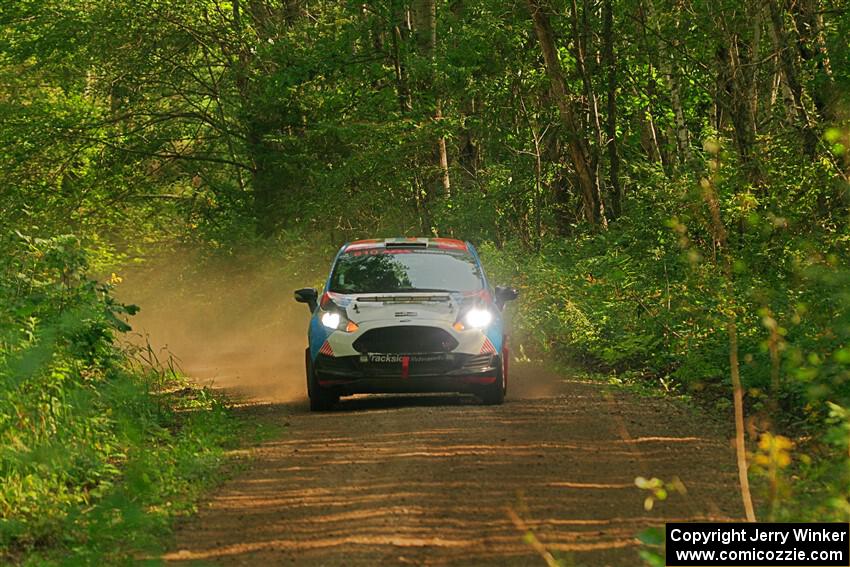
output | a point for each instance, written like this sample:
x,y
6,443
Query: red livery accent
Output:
x,y
483,294
487,347
360,244
449,243
333,382
326,349
328,297
505,358
377,246
480,379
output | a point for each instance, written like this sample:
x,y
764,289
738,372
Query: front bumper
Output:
x,y
451,372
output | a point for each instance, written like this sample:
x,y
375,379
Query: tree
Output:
x,y
577,144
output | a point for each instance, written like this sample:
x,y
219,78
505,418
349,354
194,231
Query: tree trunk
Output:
x,y
812,47
399,67
442,154
594,149
791,77
469,153
726,265
425,18
468,147
610,62
266,185
671,77
263,122
736,69
559,186
649,137
577,145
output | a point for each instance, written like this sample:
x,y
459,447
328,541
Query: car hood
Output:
x,y
406,307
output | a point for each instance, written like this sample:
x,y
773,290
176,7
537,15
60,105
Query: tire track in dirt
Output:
x,y
427,480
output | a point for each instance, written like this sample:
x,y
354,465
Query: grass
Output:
x,y
102,445
171,462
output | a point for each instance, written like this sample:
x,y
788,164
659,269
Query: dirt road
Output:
x,y
429,480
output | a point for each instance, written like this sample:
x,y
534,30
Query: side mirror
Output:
x,y
505,294
308,295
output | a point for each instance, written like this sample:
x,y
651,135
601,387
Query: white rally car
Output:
x,y
406,315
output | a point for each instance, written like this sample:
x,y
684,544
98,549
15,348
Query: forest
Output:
x,y
666,182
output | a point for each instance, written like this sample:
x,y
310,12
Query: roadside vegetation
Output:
x,y
101,447
666,181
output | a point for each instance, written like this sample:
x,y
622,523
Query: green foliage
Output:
x,y
646,295
95,456
652,553
229,126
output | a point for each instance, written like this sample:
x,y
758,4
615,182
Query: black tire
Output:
x,y
494,394
320,399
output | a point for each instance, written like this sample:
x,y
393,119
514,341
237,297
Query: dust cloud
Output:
x,y
232,323
228,323
533,380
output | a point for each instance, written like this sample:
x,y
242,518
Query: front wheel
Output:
x,y
320,399
494,394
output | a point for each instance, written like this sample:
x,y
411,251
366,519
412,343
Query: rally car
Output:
x,y
406,315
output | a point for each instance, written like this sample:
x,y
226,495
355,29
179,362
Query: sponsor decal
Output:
x,y
376,251
407,298
392,358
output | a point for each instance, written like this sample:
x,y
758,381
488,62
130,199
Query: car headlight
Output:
x,y
477,318
331,319
337,321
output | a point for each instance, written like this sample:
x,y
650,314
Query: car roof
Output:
x,y
405,242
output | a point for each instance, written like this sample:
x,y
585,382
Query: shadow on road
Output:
x,y
429,479
383,402
245,407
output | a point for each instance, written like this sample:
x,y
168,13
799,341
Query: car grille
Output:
x,y
326,363
356,367
406,340
422,368
478,362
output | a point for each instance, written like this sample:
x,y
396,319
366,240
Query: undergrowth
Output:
x,y
99,451
646,303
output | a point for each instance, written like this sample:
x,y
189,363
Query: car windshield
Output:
x,y
379,270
